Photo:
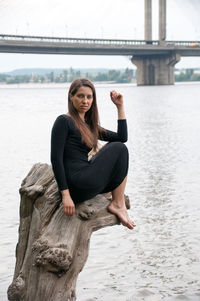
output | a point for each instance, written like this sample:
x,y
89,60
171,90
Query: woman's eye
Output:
x,y
83,96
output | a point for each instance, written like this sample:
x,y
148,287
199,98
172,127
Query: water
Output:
x,y
160,259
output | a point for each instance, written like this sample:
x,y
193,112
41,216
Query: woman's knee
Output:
x,y
117,145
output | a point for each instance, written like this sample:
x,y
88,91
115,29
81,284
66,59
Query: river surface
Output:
x,y
160,258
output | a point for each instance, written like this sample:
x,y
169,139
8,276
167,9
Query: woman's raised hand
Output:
x,y
116,98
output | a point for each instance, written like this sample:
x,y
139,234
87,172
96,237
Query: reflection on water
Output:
x,y
159,260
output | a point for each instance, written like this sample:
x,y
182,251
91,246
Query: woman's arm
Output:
x,y
122,132
117,99
59,135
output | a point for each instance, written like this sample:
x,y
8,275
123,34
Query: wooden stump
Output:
x,y
52,248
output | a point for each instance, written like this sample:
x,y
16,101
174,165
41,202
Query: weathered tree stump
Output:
x,y
52,247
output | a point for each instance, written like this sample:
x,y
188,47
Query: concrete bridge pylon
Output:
x,y
148,20
155,69
162,20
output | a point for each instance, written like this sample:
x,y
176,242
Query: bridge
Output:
x,y
155,59
59,45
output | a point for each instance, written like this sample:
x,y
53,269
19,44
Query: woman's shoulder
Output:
x,y
64,118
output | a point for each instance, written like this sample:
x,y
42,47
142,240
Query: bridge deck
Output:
x,y
79,46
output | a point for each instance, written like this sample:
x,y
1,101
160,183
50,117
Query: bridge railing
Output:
x,y
76,40
97,41
183,43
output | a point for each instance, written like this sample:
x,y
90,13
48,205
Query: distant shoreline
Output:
x,y
59,85
66,85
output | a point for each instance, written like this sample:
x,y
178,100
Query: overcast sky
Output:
x,y
121,19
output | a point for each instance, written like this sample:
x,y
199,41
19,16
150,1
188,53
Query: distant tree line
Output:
x,y
188,75
68,75
116,76
113,76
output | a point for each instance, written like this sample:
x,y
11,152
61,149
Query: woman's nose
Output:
x,y
85,99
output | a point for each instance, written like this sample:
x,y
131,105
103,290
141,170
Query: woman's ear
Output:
x,y
71,97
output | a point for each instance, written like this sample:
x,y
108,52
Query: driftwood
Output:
x,y
52,248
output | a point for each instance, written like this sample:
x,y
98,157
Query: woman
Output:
x,y
74,136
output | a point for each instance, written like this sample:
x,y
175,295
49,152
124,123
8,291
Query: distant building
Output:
x,y
197,71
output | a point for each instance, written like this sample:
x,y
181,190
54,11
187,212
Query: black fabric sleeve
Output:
x,y
121,134
59,135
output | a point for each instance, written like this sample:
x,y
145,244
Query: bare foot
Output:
x,y
122,214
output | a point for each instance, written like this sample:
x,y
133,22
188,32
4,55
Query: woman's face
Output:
x,y
82,100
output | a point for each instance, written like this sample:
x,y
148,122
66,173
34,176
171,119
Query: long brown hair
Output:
x,y
90,128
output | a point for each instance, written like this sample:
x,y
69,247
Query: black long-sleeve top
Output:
x,y
69,154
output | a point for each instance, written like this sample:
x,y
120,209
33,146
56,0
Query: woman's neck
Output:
x,y
82,116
